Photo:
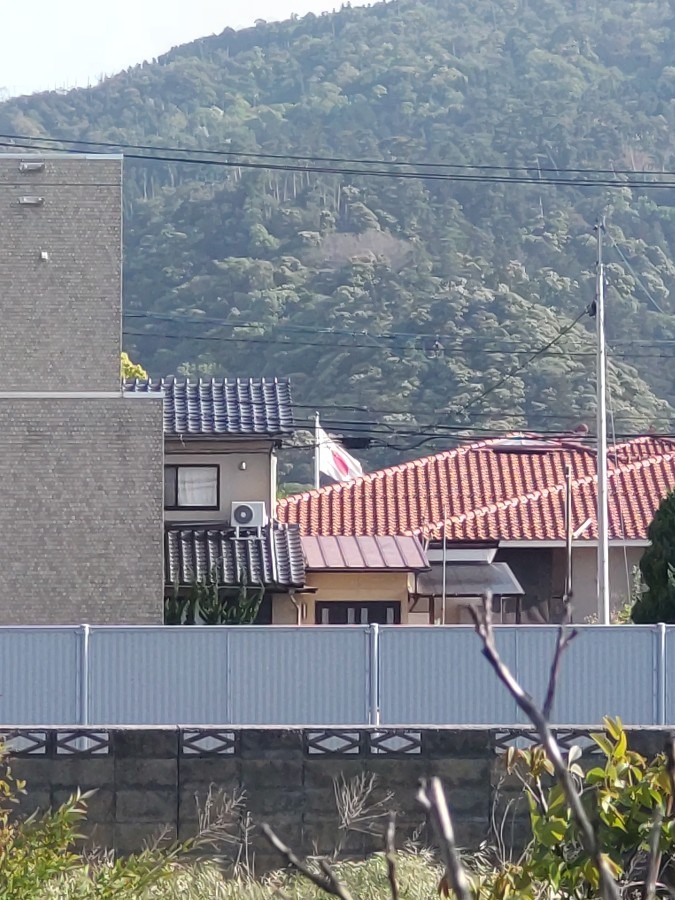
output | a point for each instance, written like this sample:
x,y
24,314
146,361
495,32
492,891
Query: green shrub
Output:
x,y
623,795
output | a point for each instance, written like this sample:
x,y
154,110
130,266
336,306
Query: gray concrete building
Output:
x,y
81,464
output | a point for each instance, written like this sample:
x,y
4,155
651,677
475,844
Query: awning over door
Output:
x,y
469,580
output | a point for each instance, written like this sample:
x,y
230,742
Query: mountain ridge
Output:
x,y
472,278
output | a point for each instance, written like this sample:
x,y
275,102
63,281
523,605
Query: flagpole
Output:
x,y
317,473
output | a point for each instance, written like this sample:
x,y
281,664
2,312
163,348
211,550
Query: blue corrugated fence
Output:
x,y
326,676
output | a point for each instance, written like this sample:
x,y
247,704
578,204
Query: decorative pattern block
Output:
x,y
212,742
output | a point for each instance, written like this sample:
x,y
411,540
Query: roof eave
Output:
x,y
377,570
228,435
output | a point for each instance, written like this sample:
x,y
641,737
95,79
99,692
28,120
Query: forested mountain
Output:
x,y
410,297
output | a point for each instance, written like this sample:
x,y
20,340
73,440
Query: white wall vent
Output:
x,y
30,165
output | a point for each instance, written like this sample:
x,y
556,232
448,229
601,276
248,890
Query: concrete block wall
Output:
x,y
150,780
60,272
146,784
81,496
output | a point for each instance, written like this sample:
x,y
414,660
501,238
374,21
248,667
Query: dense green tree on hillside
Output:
x,y
657,567
396,302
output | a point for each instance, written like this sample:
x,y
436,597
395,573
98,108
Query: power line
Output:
x,y
635,274
396,350
535,167
472,415
331,331
519,368
379,173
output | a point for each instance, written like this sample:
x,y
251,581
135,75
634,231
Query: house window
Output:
x,y
191,487
340,613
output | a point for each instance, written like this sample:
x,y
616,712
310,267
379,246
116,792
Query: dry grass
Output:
x,y
417,872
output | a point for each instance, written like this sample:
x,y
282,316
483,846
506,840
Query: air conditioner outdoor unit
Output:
x,y
248,514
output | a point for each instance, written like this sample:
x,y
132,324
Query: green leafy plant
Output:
x,y
40,853
623,796
208,602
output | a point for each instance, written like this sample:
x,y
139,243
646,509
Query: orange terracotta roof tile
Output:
x,y
508,490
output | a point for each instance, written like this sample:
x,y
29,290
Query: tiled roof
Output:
x,y
389,553
495,490
210,407
194,553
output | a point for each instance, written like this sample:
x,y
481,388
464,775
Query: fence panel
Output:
x,y
39,676
669,676
437,676
296,676
221,676
606,671
159,676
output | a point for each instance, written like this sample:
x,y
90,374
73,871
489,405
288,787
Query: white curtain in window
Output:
x,y
197,486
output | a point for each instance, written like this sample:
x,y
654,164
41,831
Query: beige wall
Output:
x,y
284,611
257,482
456,611
361,587
584,578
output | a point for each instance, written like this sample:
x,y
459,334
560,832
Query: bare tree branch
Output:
x,y
654,857
565,638
390,853
432,798
483,622
328,882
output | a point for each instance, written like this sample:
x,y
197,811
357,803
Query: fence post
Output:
x,y
661,675
374,705
84,675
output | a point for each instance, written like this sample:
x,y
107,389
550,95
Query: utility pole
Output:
x,y
601,370
568,537
317,470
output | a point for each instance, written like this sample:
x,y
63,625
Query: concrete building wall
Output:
x,y
584,578
60,273
256,482
81,495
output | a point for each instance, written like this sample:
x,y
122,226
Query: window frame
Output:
x,y
358,606
178,507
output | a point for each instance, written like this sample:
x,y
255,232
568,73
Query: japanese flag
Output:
x,y
334,461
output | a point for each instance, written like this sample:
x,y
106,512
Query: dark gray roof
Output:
x,y
193,553
213,407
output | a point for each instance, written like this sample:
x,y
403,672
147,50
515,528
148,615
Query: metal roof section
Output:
x,y
364,552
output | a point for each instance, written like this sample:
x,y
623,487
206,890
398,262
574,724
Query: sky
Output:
x,y
49,44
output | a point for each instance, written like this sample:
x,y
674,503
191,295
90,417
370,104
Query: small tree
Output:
x,y
130,369
657,603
